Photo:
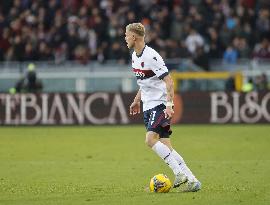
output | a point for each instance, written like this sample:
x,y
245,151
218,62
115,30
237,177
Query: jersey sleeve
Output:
x,y
158,66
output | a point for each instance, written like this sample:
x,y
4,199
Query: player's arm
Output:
x,y
169,86
135,107
137,98
170,95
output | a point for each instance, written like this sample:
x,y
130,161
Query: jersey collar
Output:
x,y
141,52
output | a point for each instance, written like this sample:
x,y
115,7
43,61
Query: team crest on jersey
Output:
x,y
142,64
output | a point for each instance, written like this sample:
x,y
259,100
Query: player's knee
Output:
x,y
150,139
148,142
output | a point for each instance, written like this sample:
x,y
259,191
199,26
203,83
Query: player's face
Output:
x,y
130,39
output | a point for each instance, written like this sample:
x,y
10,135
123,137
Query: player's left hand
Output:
x,y
168,112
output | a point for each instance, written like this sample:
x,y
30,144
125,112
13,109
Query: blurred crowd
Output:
x,y
90,30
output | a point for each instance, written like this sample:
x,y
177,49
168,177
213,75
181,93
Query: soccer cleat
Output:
x,y
193,186
179,179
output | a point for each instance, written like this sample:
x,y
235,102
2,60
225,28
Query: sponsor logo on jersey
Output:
x,y
143,74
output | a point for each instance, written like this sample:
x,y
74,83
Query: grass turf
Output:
x,y
111,165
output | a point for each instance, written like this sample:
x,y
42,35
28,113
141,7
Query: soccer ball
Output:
x,y
160,183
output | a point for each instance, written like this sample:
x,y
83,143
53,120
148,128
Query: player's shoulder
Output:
x,y
152,53
150,50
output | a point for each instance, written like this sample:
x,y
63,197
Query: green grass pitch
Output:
x,y
111,165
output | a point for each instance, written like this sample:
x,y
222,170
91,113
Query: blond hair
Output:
x,y
137,28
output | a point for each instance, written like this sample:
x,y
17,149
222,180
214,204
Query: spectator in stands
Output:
x,y
193,41
117,53
225,36
177,25
201,59
29,54
44,52
61,53
183,51
215,46
263,21
81,54
18,46
262,49
5,43
230,55
231,22
242,47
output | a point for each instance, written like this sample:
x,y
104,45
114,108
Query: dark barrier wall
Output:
x,y
113,108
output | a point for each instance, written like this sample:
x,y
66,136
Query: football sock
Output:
x,y
183,165
165,153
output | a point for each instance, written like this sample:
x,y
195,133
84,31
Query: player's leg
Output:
x,y
167,142
152,140
179,179
153,119
193,183
179,159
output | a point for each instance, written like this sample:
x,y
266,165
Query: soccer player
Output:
x,y
156,93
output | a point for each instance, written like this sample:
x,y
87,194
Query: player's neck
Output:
x,y
139,48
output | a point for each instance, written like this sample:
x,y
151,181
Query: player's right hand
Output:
x,y
135,108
